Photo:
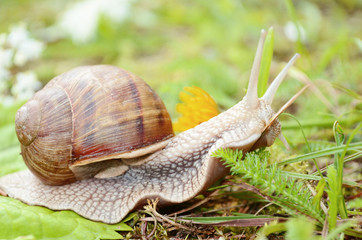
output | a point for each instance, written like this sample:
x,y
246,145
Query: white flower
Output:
x,y
16,49
7,100
26,85
26,48
291,31
27,51
3,38
80,22
4,77
17,35
6,56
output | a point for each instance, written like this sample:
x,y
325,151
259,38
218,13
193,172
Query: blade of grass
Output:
x,y
346,159
332,191
338,164
242,220
341,228
322,153
350,119
266,62
314,177
340,159
306,142
347,91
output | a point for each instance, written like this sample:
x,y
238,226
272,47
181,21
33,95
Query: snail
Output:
x,y
173,169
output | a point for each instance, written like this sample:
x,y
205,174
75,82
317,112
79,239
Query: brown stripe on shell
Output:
x,y
138,104
117,121
158,105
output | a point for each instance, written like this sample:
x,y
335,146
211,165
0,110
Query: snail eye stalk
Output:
x,y
270,93
251,96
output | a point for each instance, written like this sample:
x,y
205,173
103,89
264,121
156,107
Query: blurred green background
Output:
x,y
178,43
172,44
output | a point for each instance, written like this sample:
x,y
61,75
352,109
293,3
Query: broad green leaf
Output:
x,y
7,113
8,136
11,160
18,219
29,237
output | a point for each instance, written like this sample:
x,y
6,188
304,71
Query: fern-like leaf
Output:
x,y
285,192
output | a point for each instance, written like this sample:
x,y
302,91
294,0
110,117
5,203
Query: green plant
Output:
x,y
291,195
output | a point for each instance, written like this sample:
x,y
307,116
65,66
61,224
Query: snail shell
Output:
x,y
89,115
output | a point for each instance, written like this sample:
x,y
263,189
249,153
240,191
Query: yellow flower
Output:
x,y
197,106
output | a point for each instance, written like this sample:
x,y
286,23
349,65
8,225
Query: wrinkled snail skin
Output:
x,y
179,171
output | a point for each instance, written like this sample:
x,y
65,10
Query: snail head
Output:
x,y
272,128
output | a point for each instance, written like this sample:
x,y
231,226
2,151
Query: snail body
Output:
x,y
181,169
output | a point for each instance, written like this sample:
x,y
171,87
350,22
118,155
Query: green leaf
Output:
x,y
299,229
18,219
266,62
333,234
339,138
355,203
268,229
11,160
269,182
7,113
8,136
333,197
320,189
